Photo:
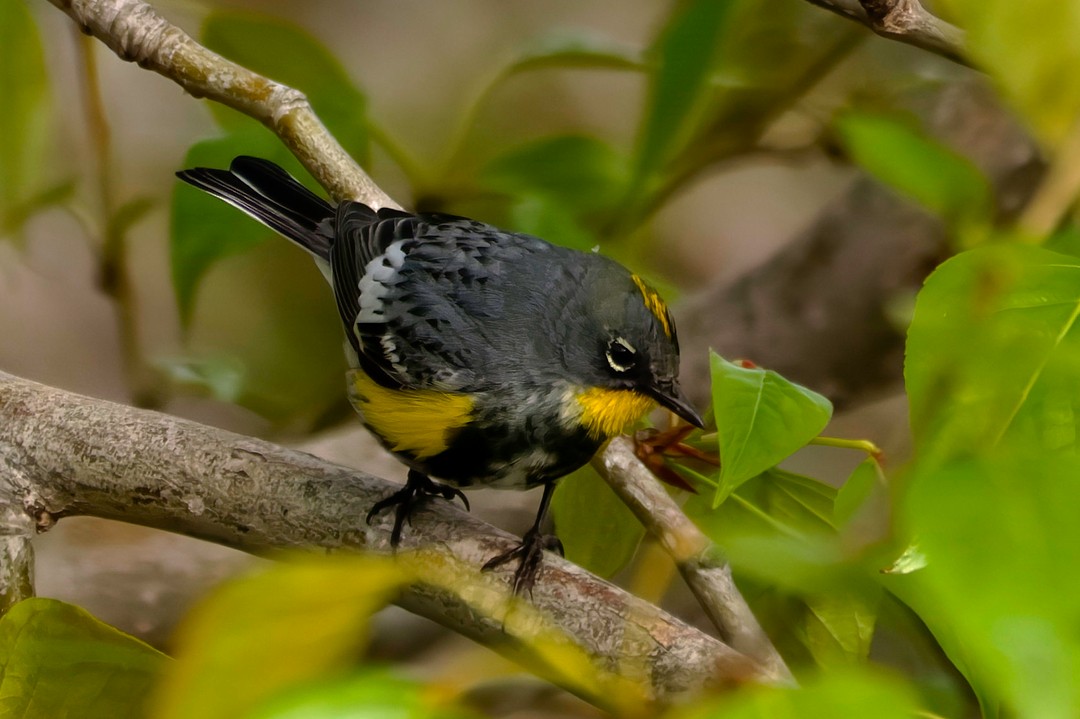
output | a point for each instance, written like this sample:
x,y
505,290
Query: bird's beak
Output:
x,y
670,395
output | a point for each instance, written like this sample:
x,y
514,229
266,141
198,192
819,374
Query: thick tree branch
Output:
x,y
905,21
73,455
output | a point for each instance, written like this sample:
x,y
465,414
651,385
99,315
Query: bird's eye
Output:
x,y
621,355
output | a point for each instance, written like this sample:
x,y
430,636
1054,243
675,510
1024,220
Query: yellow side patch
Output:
x,y
606,412
654,303
418,422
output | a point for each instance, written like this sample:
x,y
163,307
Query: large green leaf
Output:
x,y
204,229
576,50
596,528
776,530
1030,50
683,58
24,125
761,419
576,172
290,55
993,352
914,164
840,626
272,632
57,661
1000,589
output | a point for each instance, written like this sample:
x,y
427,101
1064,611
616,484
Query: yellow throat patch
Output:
x,y
416,422
654,303
606,412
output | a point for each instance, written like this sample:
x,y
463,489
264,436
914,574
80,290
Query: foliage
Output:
x,y
992,362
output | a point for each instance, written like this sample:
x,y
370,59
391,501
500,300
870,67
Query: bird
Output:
x,y
478,357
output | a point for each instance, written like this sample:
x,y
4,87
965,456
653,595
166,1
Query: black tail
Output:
x,y
272,196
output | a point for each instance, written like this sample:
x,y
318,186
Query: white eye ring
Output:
x,y
624,363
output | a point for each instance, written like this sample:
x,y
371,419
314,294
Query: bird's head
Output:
x,y
627,352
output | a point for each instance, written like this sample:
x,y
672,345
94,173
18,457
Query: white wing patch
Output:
x,y
379,275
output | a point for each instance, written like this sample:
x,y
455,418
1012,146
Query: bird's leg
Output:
x,y
530,553
417,488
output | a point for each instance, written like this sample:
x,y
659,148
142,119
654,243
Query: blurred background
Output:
x,y
539,116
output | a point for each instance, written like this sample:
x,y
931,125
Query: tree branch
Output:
x,y
905,21
698,559
75,455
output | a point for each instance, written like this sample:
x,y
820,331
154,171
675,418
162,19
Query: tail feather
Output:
x,y
272,196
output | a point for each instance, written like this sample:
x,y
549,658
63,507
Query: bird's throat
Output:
x,y
607,412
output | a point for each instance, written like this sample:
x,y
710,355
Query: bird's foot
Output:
x,y
530,555
417,488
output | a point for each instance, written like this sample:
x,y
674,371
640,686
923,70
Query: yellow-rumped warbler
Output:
x,y
480,357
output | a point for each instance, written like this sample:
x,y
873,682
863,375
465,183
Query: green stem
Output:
x,y
861,445
114,273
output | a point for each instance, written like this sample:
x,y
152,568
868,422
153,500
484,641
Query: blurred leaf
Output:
x,y
581,174
372,693
204,229
847,694
57,661
575,49
683,58
222,377
1030,51
916,165
774,47
290,55
856,491
597,529
542,216
840,627
24,122
993,352
761,419
129,213
272,631
50,196
1002,542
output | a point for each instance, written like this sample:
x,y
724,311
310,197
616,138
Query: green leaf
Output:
x,y
761,419
683,58
1002,544
856,490
597,530
842,694
221,377
581,174
273,631
58,661
914,164
374,692
205,230
1030,50
840,626
577,50
24,122
544,217
290,55
993,352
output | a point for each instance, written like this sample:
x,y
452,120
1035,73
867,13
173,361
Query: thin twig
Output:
x,y
698,560
905,21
